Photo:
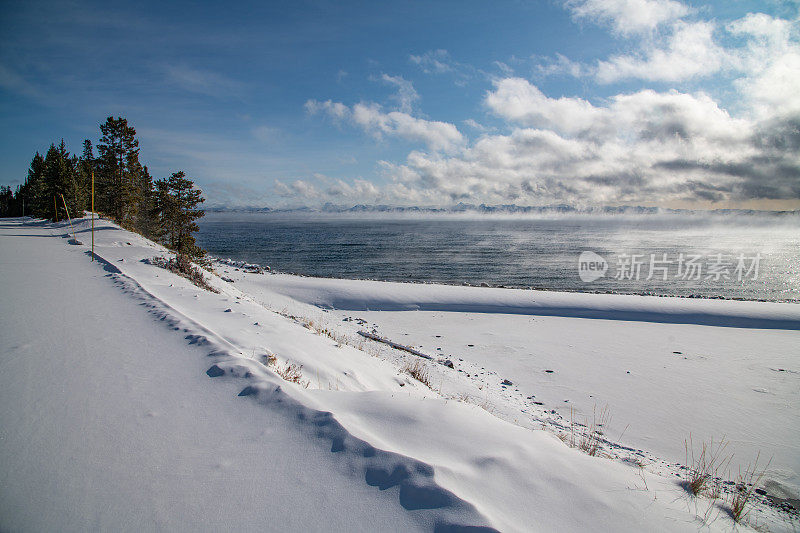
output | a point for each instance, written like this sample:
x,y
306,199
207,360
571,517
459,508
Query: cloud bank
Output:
x,y
661,145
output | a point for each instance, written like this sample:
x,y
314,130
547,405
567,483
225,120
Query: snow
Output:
x,y
662,374
110,419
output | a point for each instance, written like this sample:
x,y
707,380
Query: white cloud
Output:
x,y
776,88
516,100
647,146
433,61
628,17
506,70
406,94
690,52
440,62
438,136
770,60
297,188
562,65
655,147
336,110
358,191
202,81
472,123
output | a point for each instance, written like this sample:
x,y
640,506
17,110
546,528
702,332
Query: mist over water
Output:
x,y
540,252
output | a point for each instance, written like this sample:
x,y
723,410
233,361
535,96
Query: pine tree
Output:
x,y
32,193
60,179
147,220
6,201
119,172
177,202
86,166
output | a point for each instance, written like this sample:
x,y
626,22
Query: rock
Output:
x,y
761,492
484,284
215,372
228,310
449,364
549,371
507,382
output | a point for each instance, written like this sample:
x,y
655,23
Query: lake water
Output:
x,y
712,256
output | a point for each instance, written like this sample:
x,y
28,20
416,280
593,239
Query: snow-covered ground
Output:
x,y
132,400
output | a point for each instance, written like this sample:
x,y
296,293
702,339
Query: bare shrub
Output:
x,y
183,266
292,372
269,359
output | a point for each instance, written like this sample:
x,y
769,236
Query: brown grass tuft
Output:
x,y
418,371
292,372
703,469
745,485
589,436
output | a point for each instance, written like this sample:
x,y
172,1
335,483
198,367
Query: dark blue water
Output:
x,y
527,252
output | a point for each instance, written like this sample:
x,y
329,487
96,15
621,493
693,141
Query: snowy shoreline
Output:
x,y
257,268
464,450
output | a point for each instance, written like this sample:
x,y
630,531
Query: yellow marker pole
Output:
x,y
92,215
68,217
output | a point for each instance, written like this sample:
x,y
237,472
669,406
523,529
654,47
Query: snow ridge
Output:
x,y
412,479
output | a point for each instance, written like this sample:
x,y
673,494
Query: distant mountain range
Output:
x,y
494,209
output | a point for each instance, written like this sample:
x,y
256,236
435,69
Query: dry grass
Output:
x,y
587,437
703,468
418,371
269,359
292,372
289,372
745,485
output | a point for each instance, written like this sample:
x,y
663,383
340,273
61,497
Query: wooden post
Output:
x,y
92,215
55,204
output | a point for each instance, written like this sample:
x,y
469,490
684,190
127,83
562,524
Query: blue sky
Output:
x,y
587,102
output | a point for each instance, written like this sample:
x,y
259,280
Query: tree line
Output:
x,y
163,210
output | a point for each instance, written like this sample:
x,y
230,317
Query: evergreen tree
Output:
x,y
177,202
32,193
118,173
86,165
147,219
6,202
60,178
